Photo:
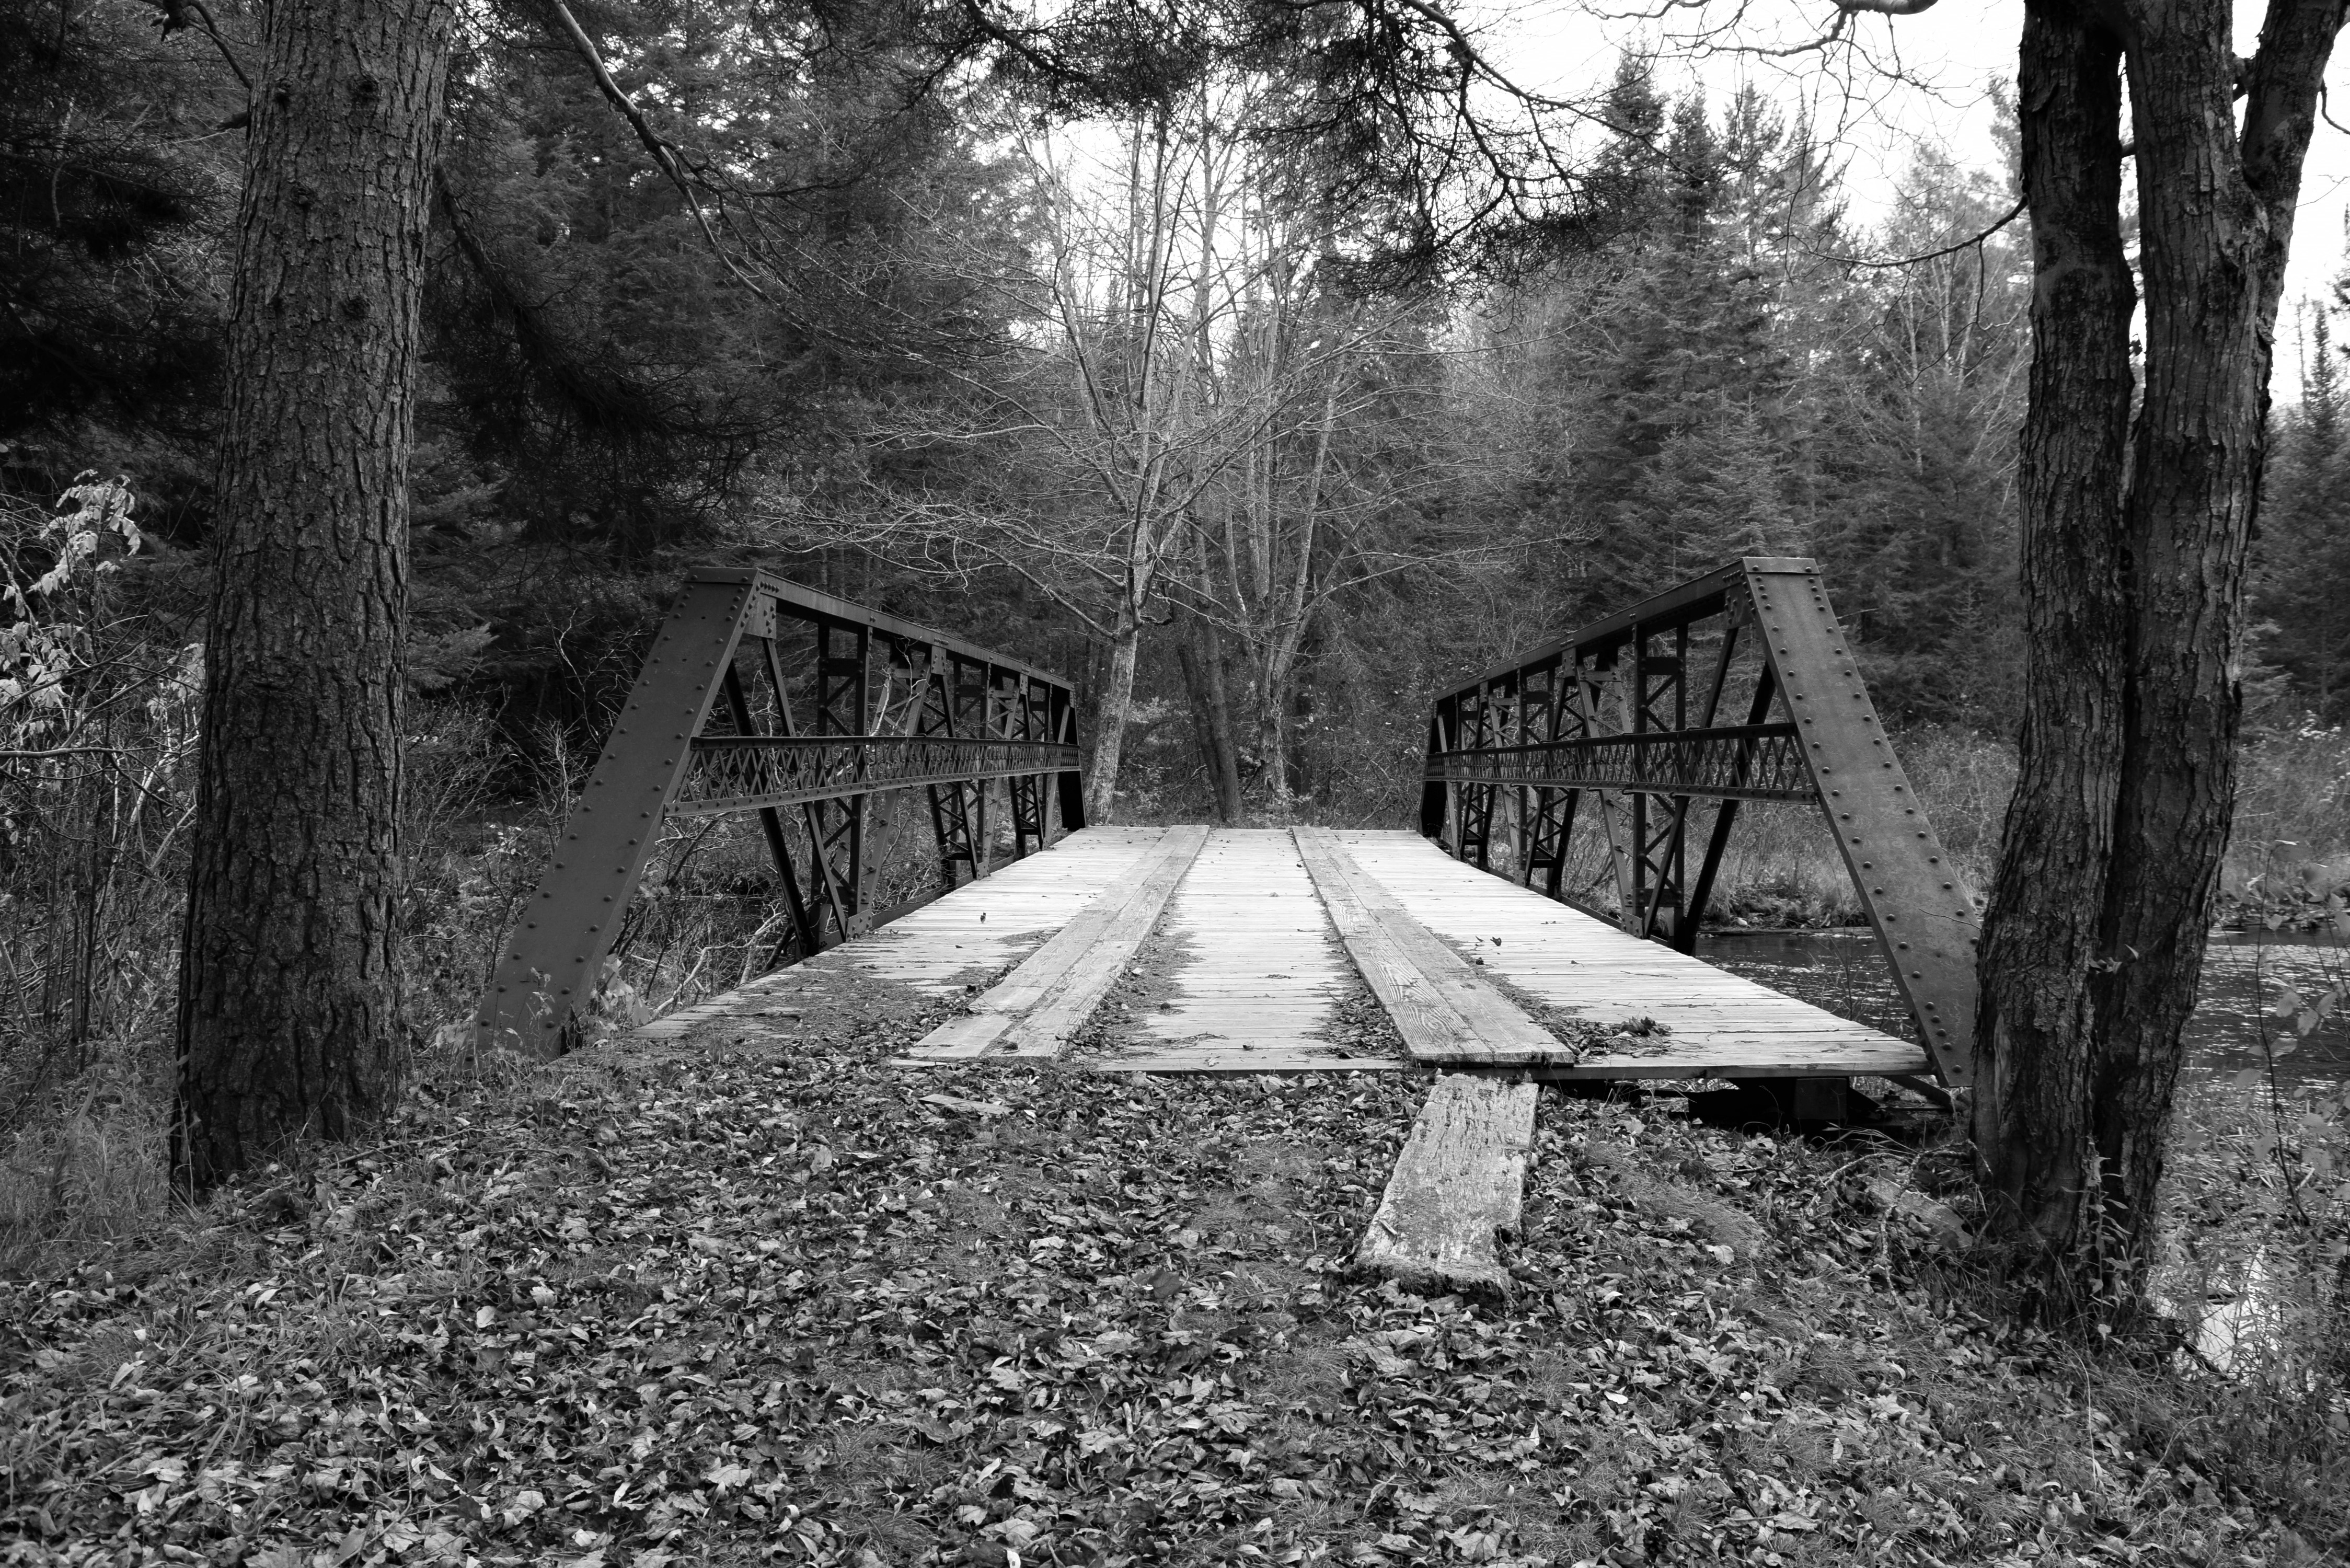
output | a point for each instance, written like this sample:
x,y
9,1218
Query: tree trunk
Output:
x,y
1286,633
2040,934
1273,750
289,1021
2212,245
2134,599
1109,721
1202,657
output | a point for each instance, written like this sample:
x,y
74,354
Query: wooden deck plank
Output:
x,y
1032,1010
1458,1184
984,925
1045,1030
980,925
1443,1009
1261,974
1242,1056
1431,1026
1264,969
1720,1024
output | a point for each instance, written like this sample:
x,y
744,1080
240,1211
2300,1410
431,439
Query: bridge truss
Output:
x,y
763,697
1638,738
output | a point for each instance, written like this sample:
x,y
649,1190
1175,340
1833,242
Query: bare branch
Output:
x,y
1967,244
664,154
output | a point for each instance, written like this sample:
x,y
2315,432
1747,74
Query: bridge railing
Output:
x,y
1598,749
763,697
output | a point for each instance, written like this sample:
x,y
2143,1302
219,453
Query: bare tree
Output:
x,y
1137,441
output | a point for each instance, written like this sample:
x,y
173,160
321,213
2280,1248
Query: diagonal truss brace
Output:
x,y
1607,711
892,706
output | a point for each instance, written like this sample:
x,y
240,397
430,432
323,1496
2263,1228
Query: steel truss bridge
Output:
x,y
1600,780
763,697
1613,735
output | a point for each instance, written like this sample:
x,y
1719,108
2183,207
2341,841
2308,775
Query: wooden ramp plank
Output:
x,y
1721,1024
984,925
1260,975
934,948
1445,1011
1458,1184
1032,1010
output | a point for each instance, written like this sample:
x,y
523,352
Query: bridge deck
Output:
x,y
1224,957
1720,1024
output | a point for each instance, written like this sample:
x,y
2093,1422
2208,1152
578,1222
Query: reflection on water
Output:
x,y
2231,1267
1844,972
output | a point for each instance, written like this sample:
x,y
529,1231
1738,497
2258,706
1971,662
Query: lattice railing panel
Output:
x,y
1604,749
760,696
730,773
1740,762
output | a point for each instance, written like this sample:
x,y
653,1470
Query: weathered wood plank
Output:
x,y
1071,972
1260,973
983,925
1065,1006
1279,1057
934,946
1718,1061
1431,1027
1458,1184
1720,1023
1444,1009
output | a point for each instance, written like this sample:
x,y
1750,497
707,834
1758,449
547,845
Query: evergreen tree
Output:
x,y
1684,472
2301,618
1621,192
1914,498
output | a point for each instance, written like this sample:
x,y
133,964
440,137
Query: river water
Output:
x,y
2230,1263
1844,972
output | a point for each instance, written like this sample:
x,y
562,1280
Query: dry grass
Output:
x,y
2291,838
2289,847
92,1171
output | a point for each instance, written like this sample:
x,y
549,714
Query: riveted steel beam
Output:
x,y
1614,711
1921,907
886,705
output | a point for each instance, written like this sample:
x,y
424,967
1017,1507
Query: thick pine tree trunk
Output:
x,y
2040,934
289,1019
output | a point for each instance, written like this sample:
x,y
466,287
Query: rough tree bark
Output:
x,y
289,1019
1111,713
1202,657
2094,945
2031,1111
2215,223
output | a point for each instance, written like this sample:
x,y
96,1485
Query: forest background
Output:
x,y
1178,404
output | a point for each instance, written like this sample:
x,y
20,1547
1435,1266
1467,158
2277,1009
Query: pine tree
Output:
x,y
2300,621
1688,471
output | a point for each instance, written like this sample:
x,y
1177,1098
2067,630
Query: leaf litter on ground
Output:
x,y
755,1295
